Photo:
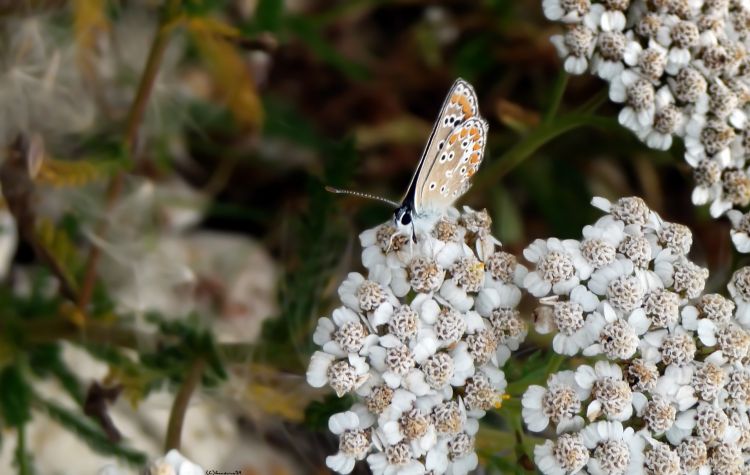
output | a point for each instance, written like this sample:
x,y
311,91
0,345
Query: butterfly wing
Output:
x,y
459,105
446,176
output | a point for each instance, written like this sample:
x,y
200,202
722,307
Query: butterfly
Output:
x,y
450,158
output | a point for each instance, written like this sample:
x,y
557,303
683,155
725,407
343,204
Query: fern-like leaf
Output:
x,y
90,433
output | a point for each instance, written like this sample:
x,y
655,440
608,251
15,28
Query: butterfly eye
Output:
x,y
406,219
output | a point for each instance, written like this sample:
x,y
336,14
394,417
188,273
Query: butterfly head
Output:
x,y
403,217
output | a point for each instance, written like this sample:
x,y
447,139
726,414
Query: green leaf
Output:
x,y
15,397
45,360
91,434
268,14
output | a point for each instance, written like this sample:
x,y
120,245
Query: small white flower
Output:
x,y
559,403
450,457
616,337
343,333
675,386
611,396
576,46
501,296
610,19
614,449
739,289
740,230
342,375
175,461
559,265
568,12
668,121
354,443
567,455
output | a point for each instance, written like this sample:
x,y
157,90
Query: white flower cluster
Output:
x,y
680,68
672,392
421,341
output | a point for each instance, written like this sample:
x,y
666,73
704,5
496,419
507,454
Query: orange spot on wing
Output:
x,y
474,131
464,103
470,172
452,139
474,158
477,146
464,132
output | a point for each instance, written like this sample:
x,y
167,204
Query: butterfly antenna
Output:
x,y
362,195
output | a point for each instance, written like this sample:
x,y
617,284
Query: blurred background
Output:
x,y
165,215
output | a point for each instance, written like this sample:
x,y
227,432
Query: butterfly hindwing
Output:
x,y
447,175
460,105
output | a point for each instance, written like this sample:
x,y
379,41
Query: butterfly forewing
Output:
x,y
447,175
460,105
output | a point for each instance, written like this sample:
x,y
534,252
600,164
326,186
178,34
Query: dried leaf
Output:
x,y
516,116
272,392
90,23
66,173
134,386
230,71
73,314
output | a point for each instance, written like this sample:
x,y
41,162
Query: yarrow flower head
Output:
x,y
670,391
421,340
679,69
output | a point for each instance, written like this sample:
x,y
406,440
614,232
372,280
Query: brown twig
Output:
x,y
180,405
18,190
27,7
135,117
53,330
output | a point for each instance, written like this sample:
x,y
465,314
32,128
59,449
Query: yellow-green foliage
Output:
x,y
65,173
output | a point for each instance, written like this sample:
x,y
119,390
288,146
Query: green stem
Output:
x,y
135,118
595,102
180,405
558,91
554,363
22,456
495,171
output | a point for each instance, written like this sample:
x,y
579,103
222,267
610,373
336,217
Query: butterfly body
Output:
x,y
451,156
